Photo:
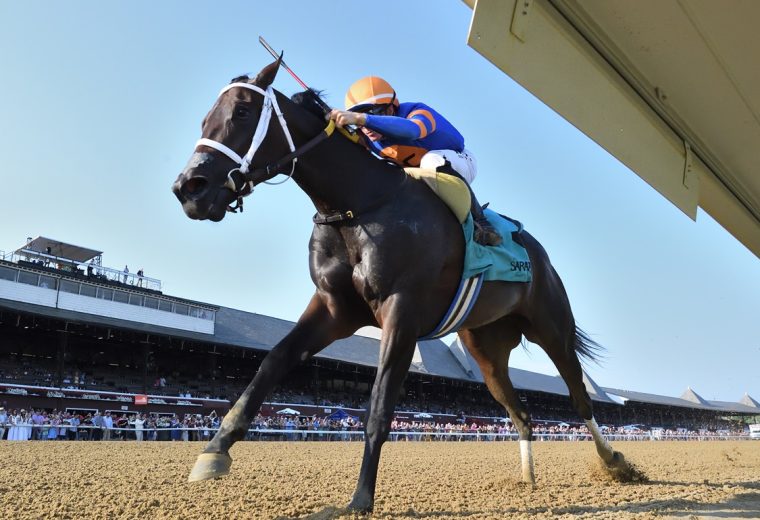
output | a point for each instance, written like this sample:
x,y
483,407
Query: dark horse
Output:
x,y
395,263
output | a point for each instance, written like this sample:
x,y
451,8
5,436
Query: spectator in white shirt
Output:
x,y
107,426
138,423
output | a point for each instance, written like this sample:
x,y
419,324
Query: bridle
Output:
x,y
240,180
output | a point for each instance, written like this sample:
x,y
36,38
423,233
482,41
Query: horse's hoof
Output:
x,y
529,480
623,471
360,506
210,465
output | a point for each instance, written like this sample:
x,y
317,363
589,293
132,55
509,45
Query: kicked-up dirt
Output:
x,y
461,480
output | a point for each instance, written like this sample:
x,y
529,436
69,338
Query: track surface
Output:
x,y
106,480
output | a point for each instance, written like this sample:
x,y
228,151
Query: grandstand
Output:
x,y
77,335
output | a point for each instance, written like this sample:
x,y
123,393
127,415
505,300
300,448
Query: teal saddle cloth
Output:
x,y
508,262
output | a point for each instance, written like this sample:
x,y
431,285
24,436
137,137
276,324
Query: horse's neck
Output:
x,y
339,175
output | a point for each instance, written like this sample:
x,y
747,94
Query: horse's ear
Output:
x,y
266,76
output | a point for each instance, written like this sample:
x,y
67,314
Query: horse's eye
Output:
x,y
241,112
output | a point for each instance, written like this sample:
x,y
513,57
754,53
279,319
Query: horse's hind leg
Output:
x,y
490,346
561,349
563,355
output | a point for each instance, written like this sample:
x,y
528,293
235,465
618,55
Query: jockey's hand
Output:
x,y
343,118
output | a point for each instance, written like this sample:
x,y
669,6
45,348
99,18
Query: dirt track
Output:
x,y
688,480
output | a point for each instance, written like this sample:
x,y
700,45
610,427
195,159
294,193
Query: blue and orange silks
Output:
x,y
411,133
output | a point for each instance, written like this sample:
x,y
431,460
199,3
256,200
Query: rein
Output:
x,y
242,183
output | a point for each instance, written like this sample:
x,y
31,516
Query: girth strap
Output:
x,y
332,219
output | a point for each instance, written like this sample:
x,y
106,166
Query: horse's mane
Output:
x,y
308,100
245,78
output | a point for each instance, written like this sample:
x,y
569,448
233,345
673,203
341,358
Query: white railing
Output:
x,y
113,275
93,287
259,434
104,395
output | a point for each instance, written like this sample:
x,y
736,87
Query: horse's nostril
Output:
x,y
193,187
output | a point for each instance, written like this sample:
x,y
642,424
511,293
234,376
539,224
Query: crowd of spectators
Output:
x,y
34,425
26,375
37,425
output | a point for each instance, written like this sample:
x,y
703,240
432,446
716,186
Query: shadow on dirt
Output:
x,y
744,505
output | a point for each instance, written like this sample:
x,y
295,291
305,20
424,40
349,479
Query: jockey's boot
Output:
x,y
485,234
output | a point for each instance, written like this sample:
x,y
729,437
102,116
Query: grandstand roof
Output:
x,y
525,380
641,397
734,407
595,391
246,329
60,249
691,395
748,401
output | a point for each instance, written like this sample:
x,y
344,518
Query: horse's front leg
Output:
x,y
396,351
316,329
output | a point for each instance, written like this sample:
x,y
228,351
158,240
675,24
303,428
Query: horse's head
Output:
x,y
222,168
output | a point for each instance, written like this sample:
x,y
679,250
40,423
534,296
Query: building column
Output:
x,y
63,341
146,357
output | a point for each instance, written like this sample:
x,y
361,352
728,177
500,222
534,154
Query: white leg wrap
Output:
x,y
526,457
602,446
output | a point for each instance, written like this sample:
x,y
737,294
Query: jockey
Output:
x,y
412,134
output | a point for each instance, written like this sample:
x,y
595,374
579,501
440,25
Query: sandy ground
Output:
x,y
105,480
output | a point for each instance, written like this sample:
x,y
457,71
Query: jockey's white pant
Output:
x,y
463,162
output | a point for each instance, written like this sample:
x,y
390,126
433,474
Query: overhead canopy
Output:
x,y
670,88
60,249
288,411
340,414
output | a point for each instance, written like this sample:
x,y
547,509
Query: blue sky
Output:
x,y
101,103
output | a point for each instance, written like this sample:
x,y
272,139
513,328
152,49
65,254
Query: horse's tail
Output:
x,y
586,347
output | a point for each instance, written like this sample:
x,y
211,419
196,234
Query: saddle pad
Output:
x,y
460,307
508,262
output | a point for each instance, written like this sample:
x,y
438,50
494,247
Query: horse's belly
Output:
x,y
496,300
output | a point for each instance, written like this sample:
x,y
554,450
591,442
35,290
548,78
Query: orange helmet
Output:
x,y
370,91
